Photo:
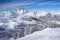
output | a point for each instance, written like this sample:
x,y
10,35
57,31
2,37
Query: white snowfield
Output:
x,y
46,34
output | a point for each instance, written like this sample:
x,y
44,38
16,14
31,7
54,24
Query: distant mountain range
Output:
x,y
28,22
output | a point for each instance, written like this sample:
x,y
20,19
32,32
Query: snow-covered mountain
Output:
x,y
24,16
46,34
28,22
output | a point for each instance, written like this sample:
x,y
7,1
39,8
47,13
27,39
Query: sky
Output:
x,y
31,5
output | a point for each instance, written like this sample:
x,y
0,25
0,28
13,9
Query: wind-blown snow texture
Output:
x,y
46,34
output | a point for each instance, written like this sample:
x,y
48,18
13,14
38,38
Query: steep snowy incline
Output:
x,y
46,34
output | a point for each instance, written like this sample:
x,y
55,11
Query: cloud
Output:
x,y
20,3
45,3
55,3
14,5
49,3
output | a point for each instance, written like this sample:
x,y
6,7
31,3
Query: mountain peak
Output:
x,y
42,13
21,10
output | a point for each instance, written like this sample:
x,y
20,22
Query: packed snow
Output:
x,y
46,34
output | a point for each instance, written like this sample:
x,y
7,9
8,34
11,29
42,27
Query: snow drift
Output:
x,y
46,34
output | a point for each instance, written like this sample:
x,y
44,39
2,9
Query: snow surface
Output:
x,y
18,16
42,13
46,34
